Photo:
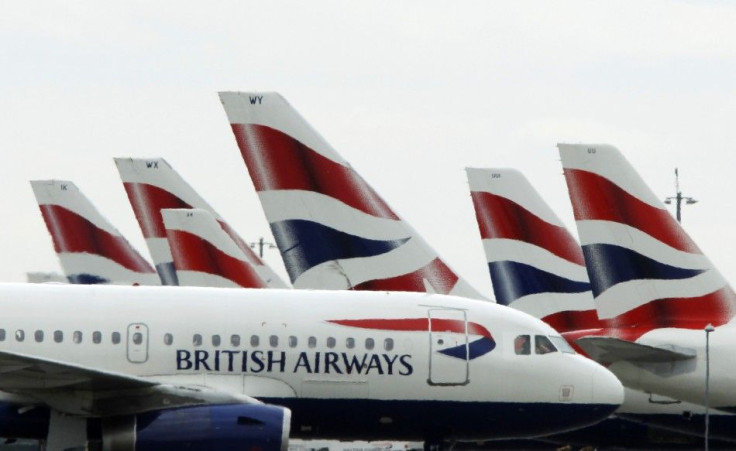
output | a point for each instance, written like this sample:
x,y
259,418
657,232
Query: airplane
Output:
x,y
152,185
219,368
653,288
90,249
332,229
537,266
204,254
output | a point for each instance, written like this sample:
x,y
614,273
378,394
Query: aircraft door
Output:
x,y
137,343
448,347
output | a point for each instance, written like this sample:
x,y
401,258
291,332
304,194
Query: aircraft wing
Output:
x,y
80,390
610,350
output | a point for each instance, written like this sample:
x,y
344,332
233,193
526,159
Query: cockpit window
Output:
x,y
522,345
542,345
561,344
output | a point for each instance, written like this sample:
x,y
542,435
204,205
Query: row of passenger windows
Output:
x,y
58,336
197,339
292,341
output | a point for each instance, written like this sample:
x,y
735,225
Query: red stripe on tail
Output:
x,y
74,234
192,253
277,161
597,198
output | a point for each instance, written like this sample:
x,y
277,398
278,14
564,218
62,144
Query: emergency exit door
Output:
x,y
137,343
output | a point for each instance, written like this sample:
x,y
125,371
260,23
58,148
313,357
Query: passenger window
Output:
x,y
2,334
235,340
273,340
97,337
522,345
542,345
292,341
197,340
137,338
350,343
331,342
254,340
215,340
20,335
115,338
38,335
77,336
58,336
168,339
369,343
388,344
312,342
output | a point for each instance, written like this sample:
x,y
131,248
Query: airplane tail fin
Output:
x,y
645,271
535,264
90,249
332,229
204,255
152,184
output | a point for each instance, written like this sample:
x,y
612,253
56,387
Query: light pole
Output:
x,y
261,243
678,198
708,329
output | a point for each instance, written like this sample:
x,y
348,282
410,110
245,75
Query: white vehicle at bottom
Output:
x,y
208,368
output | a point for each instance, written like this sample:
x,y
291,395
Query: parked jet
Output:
x,y
204,254
152,185
332,229
90,249
168,368
537,266
654,289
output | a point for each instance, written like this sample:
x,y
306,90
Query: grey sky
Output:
x,y
409,92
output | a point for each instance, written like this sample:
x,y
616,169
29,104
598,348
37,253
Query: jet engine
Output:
x,y
201,428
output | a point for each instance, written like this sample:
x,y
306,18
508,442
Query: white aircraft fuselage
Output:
x,y
349,365
685,379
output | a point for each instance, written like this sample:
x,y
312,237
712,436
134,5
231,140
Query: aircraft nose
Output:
x,y
607,389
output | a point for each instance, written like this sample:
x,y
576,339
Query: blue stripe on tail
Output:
x,y
609,265
305,244
167,273
86,279
513,280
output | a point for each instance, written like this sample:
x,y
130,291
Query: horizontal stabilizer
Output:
x,y
610,350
